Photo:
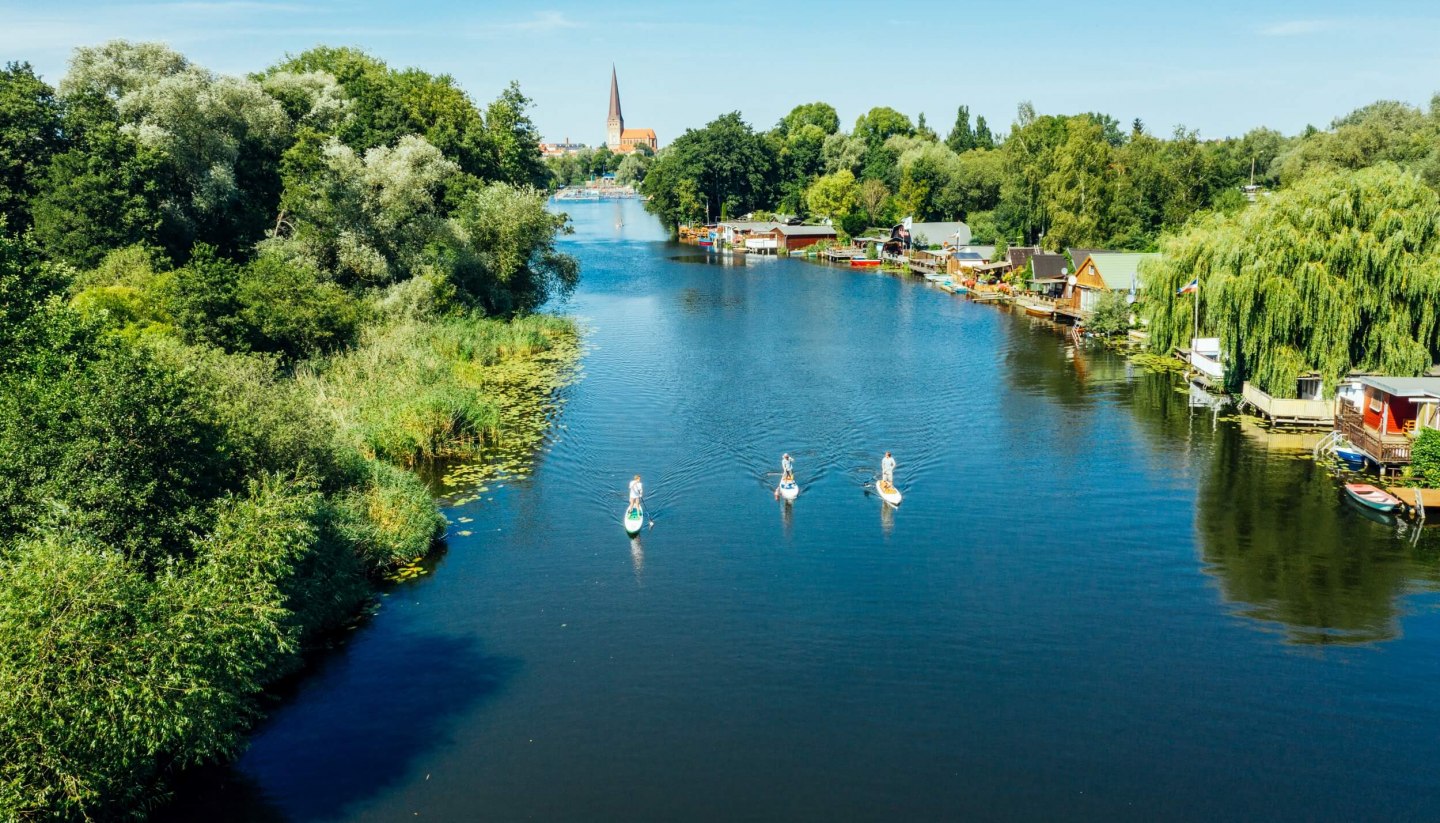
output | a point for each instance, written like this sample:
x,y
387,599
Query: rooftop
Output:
x,y
806,231
1428,387
1121,271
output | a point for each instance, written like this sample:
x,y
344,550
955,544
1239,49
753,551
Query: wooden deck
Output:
x,y
1289,412
1385,451
1426,498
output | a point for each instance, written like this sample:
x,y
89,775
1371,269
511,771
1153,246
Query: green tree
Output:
x,y
731,168
103,193
514,139
1285,296
1111,315
504,257
834,195
30,134
961,137
220,139
820,115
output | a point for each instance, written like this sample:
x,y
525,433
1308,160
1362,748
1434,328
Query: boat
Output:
x,y
1038,309
864,263
789,489
1372,497
888,492
1347,452
634,519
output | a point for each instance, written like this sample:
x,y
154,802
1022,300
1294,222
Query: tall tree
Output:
x,y
30,134
1336,273
730,167
962,137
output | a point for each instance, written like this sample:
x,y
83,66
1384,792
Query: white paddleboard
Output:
x,y
888,492
634,519
789,490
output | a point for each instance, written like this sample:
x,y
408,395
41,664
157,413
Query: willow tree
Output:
x,y
1339,272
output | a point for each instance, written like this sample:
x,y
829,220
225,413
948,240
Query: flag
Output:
x,y
1191,287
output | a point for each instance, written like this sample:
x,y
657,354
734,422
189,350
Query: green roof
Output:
x,y
1121,272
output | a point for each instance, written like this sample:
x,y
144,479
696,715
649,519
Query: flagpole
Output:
x,y
1196,304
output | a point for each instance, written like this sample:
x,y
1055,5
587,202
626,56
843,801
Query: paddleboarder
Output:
x,y
787,474
637,491
887,470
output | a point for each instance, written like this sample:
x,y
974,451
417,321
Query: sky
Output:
x,y
1220,68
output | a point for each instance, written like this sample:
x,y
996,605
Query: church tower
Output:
x,y
615,123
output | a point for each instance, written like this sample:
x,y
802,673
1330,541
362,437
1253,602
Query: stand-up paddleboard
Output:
x,y
634,519
888,492
789,489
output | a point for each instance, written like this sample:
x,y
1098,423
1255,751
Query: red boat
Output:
x,y
864,263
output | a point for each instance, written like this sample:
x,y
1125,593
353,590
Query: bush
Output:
x,y
412,392
1425,458
289,310
109,675
391,519
1111,315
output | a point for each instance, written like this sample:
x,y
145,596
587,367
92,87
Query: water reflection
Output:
x,y
1287,552
637,556
1271,527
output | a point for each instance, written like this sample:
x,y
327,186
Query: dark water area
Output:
x,y
1098,601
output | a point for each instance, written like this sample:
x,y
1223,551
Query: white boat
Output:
x,y
789,489
634,519
888,492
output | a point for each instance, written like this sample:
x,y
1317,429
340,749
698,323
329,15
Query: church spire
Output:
x,y
615,123
614,96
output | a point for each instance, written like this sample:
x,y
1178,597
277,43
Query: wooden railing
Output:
x,y
1383,450
1285,410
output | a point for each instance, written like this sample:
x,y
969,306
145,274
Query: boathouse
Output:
x,y
790,238
1048,273
1098,274
1390,413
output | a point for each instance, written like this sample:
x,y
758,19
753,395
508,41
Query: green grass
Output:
x,y
419,390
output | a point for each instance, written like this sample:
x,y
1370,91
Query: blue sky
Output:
x,y
1222,67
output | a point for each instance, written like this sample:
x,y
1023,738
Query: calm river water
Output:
x,y
1096,602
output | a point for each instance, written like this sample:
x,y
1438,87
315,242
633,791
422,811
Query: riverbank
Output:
x,y
124,668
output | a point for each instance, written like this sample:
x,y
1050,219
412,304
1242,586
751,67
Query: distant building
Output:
x,y
560,149
618,138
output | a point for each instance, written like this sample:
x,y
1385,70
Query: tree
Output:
x,y
1076,186
873,195
880,123
1111,315
633,168
820,115
834,195
368,219
220,138
514,139
962,137
731,169
504,257
103,193
30,134
983,138
1284,296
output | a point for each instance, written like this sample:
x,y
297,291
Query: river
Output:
x,y
1097,601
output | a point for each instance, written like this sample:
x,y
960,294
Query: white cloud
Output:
x,y
1300,28
544,21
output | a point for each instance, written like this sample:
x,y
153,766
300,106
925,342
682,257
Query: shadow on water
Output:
x,y
1286,550
350,734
